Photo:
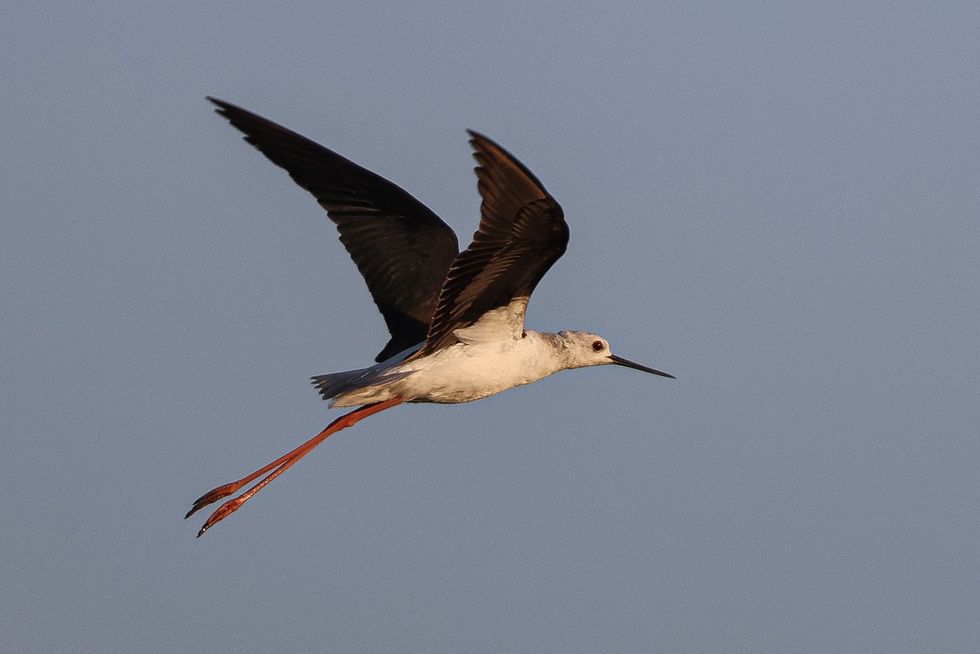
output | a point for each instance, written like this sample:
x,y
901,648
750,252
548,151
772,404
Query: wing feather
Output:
x,y
522,233
401,248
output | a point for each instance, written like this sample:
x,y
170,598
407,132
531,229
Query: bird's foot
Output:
x,y
221,513
212,496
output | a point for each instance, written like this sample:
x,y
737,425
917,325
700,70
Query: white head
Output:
x,y
585,349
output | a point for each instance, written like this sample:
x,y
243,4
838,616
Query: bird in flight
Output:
x,y
456,319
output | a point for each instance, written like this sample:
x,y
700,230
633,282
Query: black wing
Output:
x,y
522,233
401,248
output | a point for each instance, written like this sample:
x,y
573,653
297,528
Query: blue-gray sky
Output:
x,y
776,202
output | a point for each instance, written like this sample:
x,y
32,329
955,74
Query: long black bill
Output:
x,y
626,363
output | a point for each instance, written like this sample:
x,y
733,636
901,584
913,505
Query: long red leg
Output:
x,y
216,494
280,465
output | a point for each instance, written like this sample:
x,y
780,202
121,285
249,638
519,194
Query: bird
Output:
x,y
456,319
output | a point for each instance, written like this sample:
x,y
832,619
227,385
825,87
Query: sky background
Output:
x,y
779,203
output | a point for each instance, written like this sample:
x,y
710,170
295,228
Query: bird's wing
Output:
x,y
522,233
402,249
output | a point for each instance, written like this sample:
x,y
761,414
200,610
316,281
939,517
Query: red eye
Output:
x,y
597,346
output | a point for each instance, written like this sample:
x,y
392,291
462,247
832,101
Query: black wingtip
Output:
x,y
478,137
222,107
484,146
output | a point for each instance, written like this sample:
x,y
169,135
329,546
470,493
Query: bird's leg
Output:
x,y
279,466
216,494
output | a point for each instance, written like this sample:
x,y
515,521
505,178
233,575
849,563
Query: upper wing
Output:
x,y
522,233
401,248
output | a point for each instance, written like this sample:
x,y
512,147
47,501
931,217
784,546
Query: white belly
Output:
x,y
462,372
467,372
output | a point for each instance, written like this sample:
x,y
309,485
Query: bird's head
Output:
x,y
586,349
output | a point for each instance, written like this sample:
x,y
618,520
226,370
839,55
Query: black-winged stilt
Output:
x,y
456,318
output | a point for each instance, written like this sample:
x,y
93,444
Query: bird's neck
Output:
x,y
555,347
